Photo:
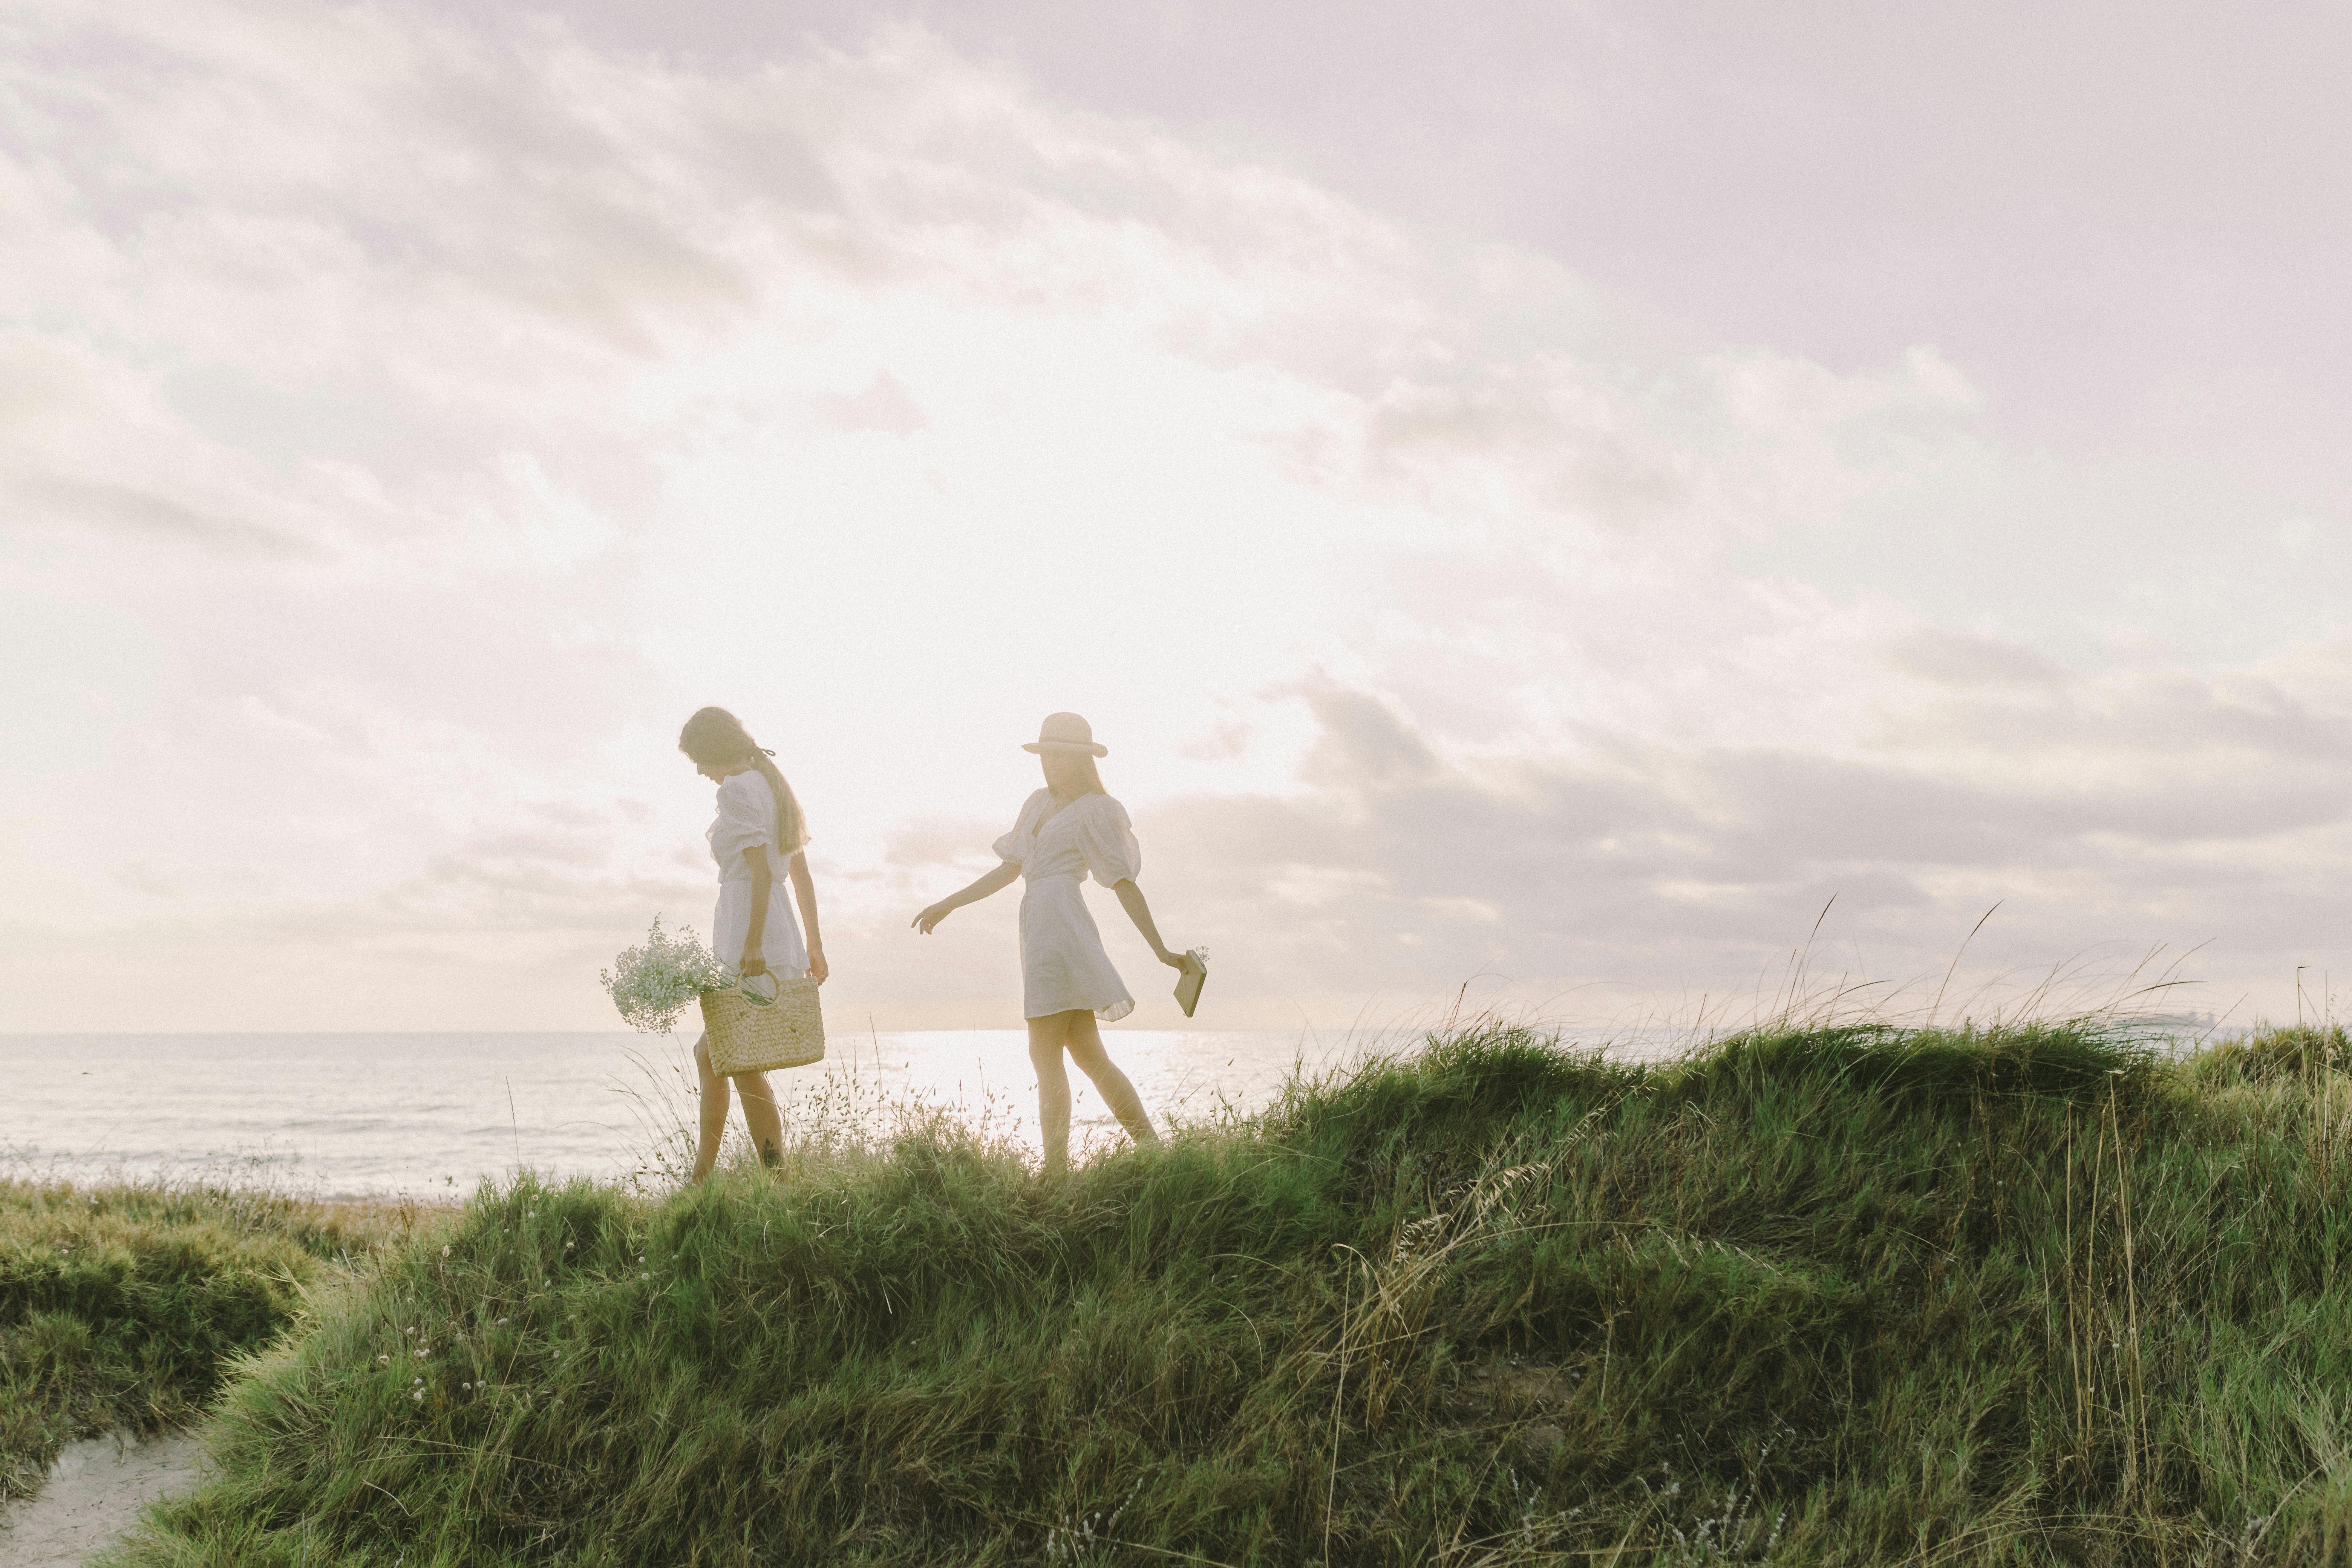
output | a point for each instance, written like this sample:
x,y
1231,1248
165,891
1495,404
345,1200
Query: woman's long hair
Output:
x,y
1083,765
716,737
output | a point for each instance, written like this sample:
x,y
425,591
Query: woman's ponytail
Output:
x,y
716,737
791,827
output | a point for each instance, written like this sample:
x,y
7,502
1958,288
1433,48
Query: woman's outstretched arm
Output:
x,y
805,895
1130,899
1006,873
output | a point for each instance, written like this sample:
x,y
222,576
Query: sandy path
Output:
x,y
92,1495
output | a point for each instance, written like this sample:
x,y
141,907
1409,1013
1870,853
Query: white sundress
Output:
x,y
1062,966
747,815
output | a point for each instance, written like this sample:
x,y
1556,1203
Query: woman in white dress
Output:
x,y
1066,830
759,830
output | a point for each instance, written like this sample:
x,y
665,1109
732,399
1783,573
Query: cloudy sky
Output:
x,y
1545,496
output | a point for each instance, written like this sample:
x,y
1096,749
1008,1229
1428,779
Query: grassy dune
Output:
x,y
123,1308
1841,1296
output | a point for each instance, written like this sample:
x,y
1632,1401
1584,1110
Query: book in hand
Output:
x,y
1189,983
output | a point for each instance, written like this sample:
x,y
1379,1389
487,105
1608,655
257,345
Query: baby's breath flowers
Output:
x,y
654,983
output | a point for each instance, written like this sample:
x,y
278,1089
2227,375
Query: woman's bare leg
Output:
x,y
761,1115
714,1109
1085,1048
1045,1037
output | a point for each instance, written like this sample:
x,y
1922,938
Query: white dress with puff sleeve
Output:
x,y
1062,966
747,815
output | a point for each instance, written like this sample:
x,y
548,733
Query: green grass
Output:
x,y
123,1307
1840,1296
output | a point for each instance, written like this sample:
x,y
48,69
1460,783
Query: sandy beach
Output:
x,y
92,1495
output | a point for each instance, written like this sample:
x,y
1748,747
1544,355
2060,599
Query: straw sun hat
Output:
x,y
1065,732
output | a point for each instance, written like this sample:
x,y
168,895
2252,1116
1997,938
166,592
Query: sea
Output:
x,y
435,1115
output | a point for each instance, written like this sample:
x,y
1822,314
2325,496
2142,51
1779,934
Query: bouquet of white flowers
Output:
x,y
654,983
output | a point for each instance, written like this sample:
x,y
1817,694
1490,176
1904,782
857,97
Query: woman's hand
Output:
x,y
1005,874
818,969
1176,960
753,964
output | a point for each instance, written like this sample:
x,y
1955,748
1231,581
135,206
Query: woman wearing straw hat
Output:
x,y
759,831
1067,829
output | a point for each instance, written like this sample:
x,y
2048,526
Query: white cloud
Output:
x,y
401,428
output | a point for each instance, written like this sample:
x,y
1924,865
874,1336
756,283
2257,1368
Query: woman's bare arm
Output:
x,y
763,878
805,895
1005,876
1130,899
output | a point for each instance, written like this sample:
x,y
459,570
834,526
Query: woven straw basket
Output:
x,y
787,1033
